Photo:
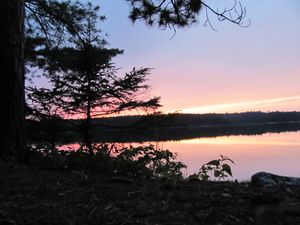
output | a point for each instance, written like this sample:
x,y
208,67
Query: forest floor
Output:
x,y
33,196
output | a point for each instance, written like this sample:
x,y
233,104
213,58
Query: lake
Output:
x,y
270,152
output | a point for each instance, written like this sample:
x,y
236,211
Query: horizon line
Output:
x,y
229,107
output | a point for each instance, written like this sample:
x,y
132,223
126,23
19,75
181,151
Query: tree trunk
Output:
x,y
12,69
87,134
88,115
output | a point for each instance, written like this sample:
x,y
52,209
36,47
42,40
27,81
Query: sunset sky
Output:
x,y
200,70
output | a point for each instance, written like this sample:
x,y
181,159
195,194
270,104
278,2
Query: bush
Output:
x,y
218,168
136,162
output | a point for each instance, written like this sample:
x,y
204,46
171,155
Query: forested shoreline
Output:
x,y
164,127
194,120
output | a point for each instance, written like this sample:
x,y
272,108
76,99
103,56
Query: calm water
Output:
x,y
271,152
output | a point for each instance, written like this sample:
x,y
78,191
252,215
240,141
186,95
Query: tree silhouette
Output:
x,y
12,86
181,13
50,24
86,84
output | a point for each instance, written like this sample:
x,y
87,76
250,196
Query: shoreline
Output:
x,y
32,196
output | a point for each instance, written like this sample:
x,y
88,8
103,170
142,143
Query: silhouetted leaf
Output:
x,y
227,169
225,158
214,163
217,173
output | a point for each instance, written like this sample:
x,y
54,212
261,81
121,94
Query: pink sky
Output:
x,y
230,70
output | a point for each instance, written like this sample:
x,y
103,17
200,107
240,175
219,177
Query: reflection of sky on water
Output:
x,y
277,153
272,152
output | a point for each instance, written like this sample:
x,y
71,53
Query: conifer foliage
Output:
x,y
85,83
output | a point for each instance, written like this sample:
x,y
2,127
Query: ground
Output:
x,y
34,196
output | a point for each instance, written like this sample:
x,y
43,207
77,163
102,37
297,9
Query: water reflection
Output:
x,y
271,152
266,139
277,153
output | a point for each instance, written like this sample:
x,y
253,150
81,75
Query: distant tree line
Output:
x,y
140,126
44,33
191,120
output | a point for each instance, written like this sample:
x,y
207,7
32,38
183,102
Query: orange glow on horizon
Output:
x,y
291,103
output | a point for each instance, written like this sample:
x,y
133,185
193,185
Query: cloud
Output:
x,y
274,104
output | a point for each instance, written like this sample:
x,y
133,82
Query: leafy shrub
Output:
x,y
142,161
218,168
149,161
44,156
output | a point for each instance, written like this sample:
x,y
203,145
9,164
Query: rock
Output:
x,y
263,179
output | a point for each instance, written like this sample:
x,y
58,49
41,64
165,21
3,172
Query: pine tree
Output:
x,y
85,82
50,24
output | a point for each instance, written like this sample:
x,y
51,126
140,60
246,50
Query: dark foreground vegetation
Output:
x,y
60,41
63,188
